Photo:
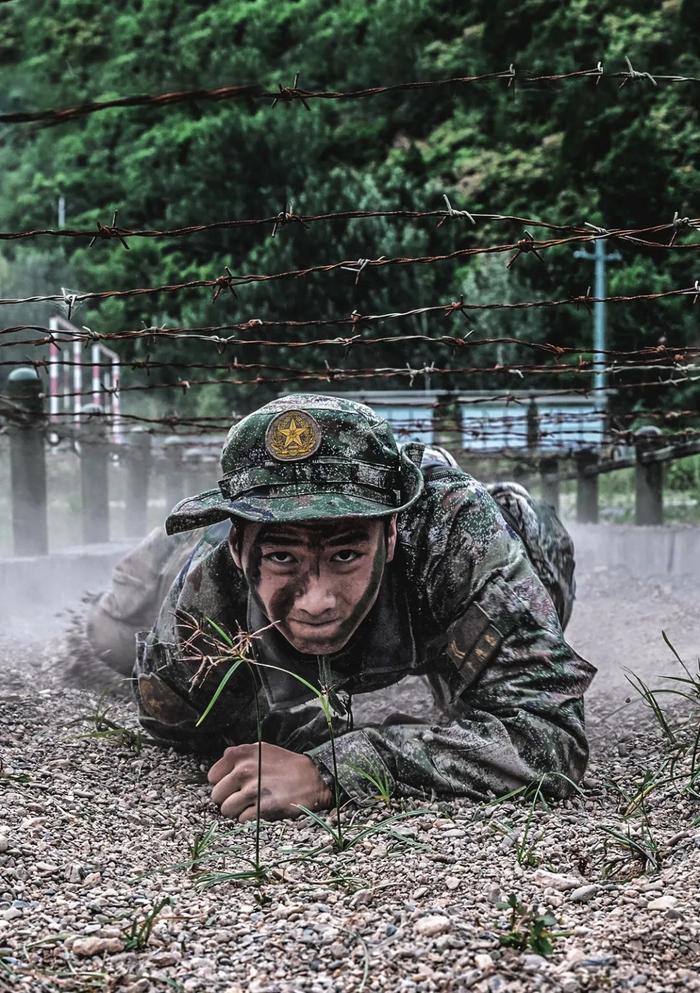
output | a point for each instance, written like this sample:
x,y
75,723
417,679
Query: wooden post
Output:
x,y
649,480
138,469
533,425
173,472
194,470
94,481
28,463
549,477
586,488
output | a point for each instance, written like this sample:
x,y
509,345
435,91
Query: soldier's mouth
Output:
x,y
314,624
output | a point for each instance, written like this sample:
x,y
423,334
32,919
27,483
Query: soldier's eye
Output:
x,y
281,558
346,555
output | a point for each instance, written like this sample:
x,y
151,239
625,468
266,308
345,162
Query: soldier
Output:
x,y
356,568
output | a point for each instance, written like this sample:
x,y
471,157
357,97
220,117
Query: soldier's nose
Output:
x,y
315,600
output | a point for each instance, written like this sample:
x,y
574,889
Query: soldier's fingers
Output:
x,y
231,783
250,814
234,805
225,764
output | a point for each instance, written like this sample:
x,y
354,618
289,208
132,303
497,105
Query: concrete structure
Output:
x,y
563,423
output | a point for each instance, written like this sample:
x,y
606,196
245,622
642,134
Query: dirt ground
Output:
x,y
95,834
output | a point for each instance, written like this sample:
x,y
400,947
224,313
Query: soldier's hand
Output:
x,y
288,779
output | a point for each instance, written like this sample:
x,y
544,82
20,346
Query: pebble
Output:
x,y
46,867
533,963
555,880
452,882
599,961
4,843
86,947
140,986
582,894
433,925
73,873
662,903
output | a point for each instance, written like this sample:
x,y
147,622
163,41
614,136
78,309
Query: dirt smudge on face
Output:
x,y
366,601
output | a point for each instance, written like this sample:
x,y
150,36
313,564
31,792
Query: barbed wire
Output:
x,y
547,422
587,358
212,333
664,360
223,421
339,375
70,299
287,216
255,92
555,441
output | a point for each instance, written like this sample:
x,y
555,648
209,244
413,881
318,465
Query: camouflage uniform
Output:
x,y
460,604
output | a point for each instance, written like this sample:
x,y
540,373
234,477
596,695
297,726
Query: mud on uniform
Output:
x,y
461,604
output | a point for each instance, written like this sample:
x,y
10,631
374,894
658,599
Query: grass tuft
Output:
x,y
137,936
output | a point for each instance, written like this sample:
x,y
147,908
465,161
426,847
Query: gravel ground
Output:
x,y
94,835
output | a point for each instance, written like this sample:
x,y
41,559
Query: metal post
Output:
x,y
28,463
533,425
137,472
173,472
599,335
649,480
94,480
549,477
599,329
586,488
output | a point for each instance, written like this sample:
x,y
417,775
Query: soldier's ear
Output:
x,y
390,538
235,544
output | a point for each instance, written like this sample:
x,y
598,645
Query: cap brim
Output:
x,y
211,507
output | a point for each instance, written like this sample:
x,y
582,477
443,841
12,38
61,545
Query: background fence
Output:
x,y
82,483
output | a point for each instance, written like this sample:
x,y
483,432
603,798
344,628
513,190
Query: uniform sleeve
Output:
x,y
139,582
511,687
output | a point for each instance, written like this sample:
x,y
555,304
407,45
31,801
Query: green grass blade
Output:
x,y
222,632
219,690
678,658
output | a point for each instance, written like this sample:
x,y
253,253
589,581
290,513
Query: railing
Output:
x,y
179,464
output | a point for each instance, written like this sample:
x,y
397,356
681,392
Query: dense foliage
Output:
x,y
571,153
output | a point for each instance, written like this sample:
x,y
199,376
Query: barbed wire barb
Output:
x,y
288,93
109,231
632,74
450,213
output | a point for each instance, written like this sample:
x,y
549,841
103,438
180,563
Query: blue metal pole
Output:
x,y
599,336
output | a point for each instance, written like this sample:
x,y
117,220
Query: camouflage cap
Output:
x,y
305,457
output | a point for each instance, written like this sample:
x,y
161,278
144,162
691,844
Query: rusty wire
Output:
x,y
506,428
587,357
339,375
230,282
107,232
288,94
655,357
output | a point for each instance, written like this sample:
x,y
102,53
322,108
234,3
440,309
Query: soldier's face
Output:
x,y
318,580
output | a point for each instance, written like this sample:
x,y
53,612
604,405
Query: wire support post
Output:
x,y
94,474
30,533
648,478
586,487
173,468
139,455
549,482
